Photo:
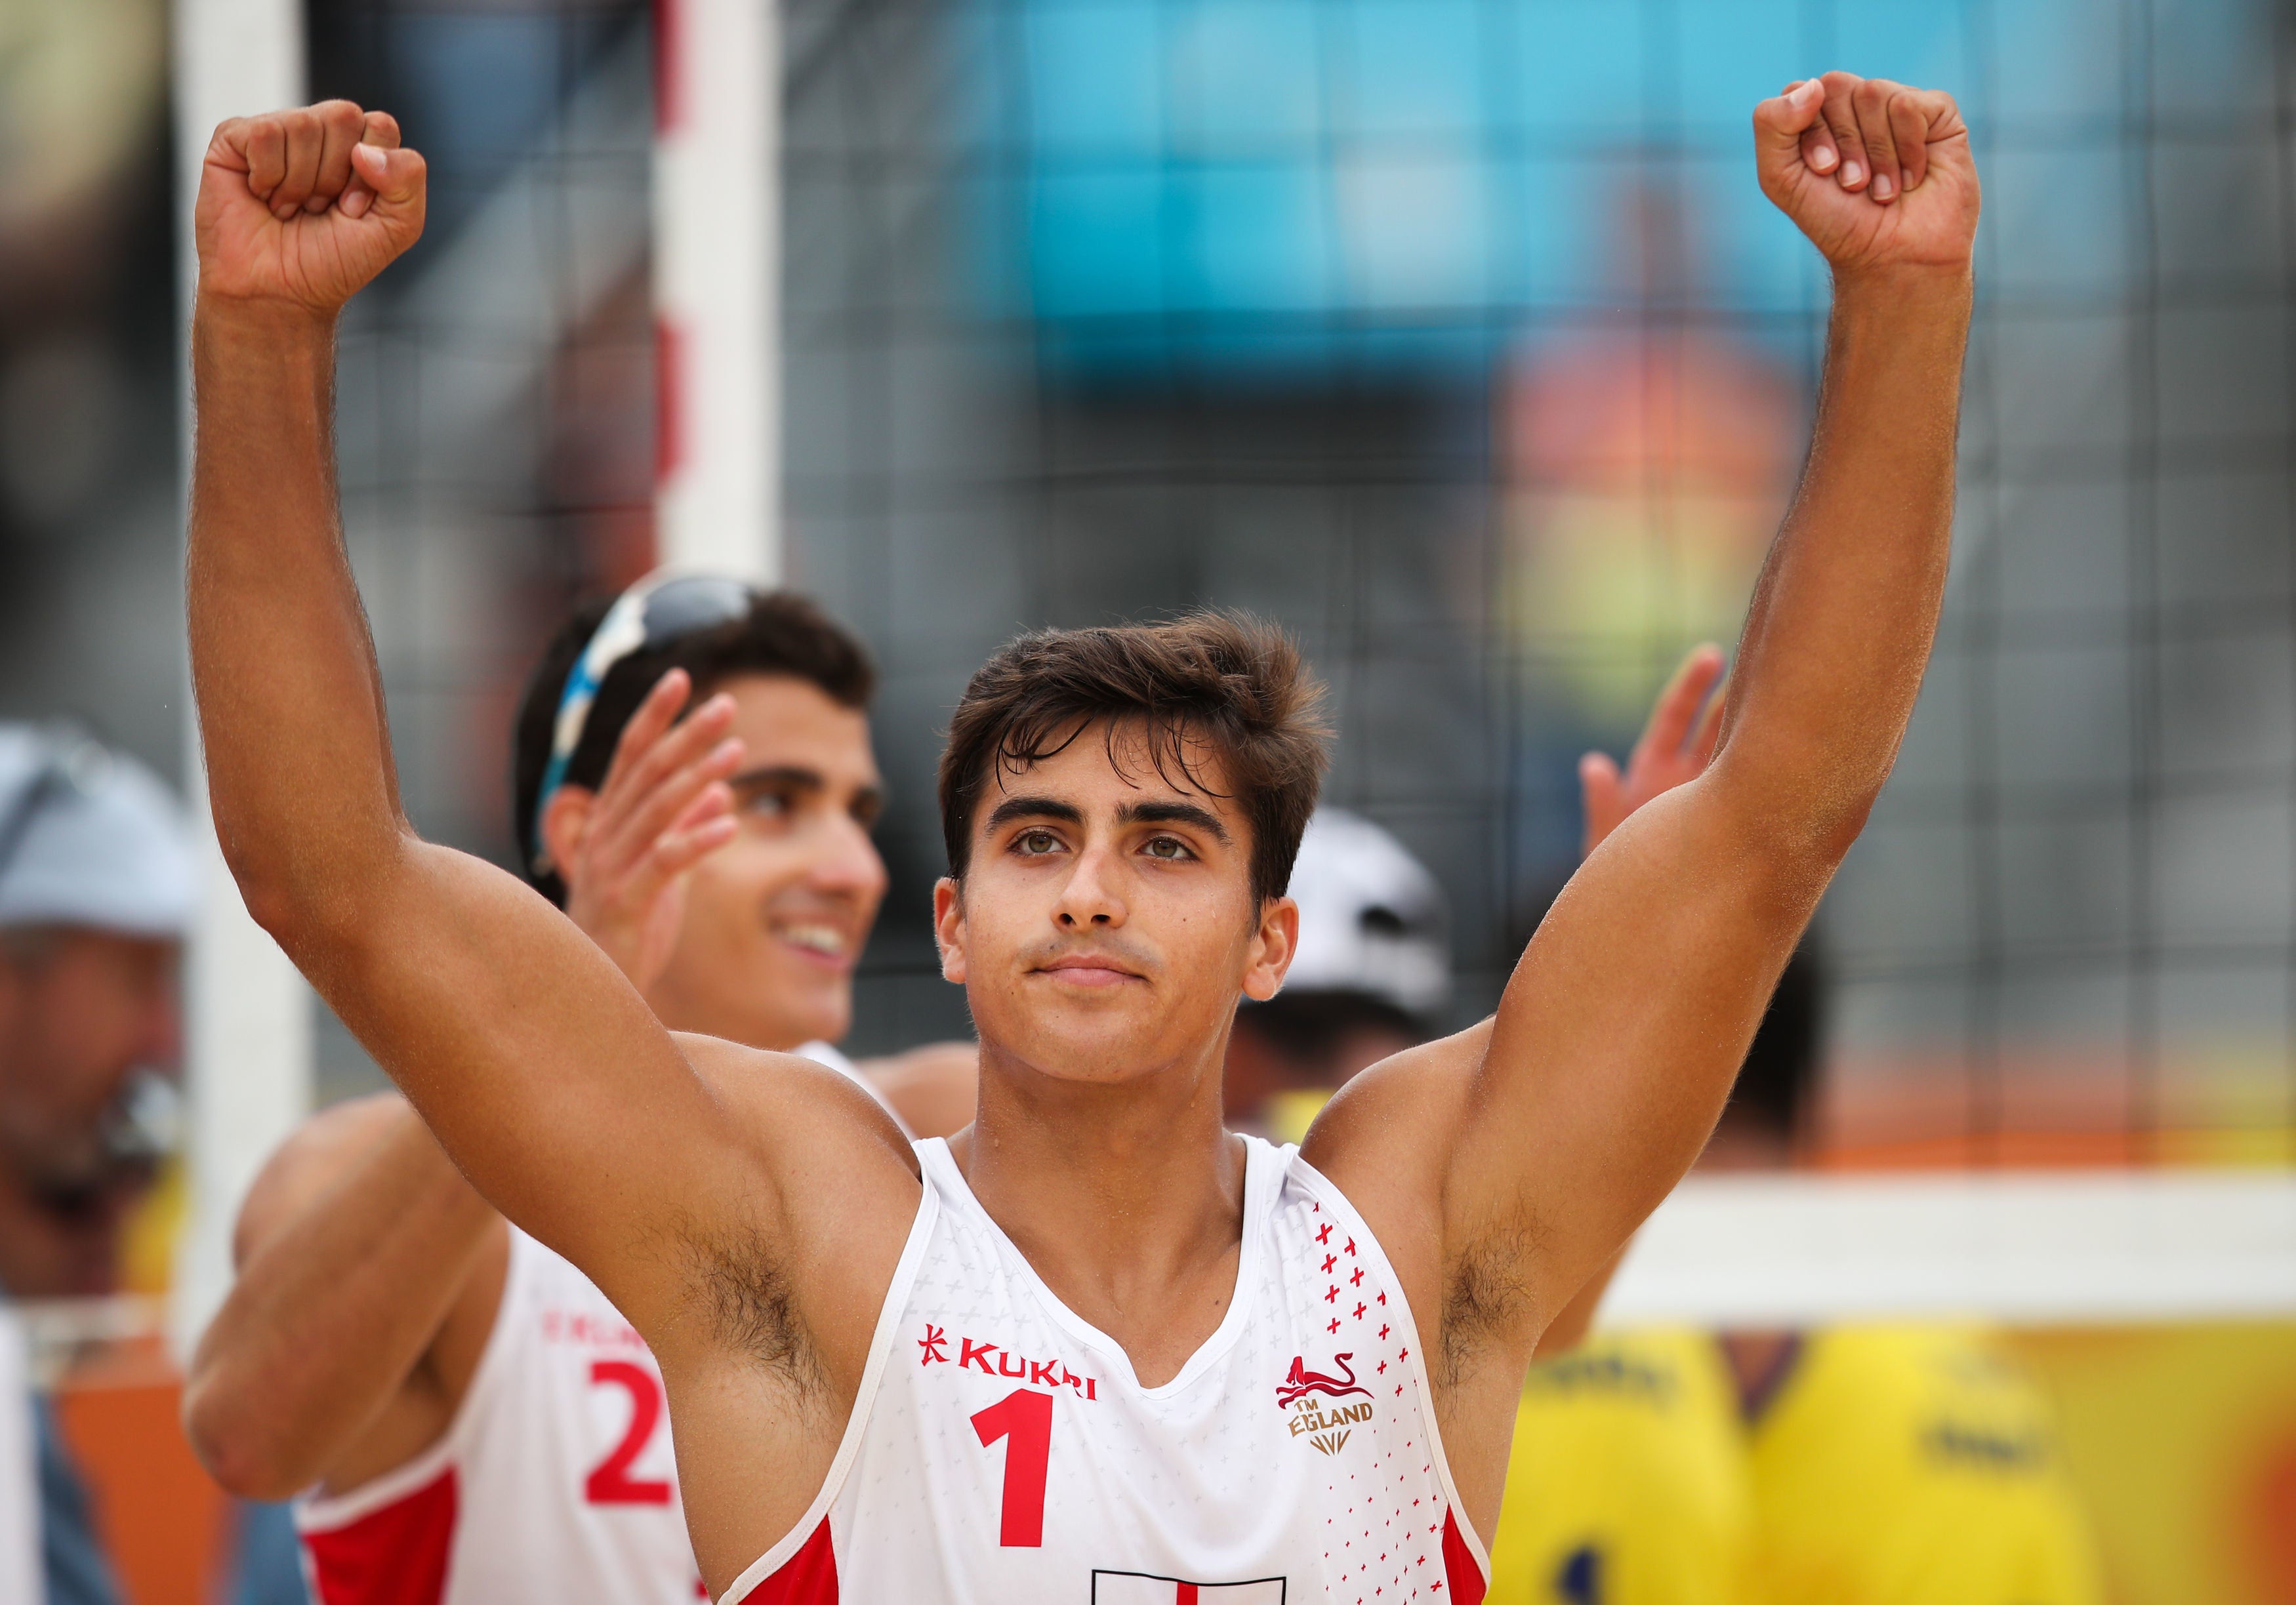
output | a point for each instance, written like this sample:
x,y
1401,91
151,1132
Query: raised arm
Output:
x,y
1528,1149
541,1070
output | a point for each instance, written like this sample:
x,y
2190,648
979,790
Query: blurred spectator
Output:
x,y
1373,969
96,889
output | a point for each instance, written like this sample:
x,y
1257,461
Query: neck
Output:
x,y
1758,1362
1127,1198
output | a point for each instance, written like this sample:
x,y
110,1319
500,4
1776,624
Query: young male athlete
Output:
x,y
1095,1348
467,1416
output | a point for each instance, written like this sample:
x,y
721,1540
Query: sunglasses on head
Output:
x,y
659,611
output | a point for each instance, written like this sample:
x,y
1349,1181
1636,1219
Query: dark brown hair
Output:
x,y
1227,681
784,633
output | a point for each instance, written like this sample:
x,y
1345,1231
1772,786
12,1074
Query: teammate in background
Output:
x,y
97,889
477,1418
1097,1346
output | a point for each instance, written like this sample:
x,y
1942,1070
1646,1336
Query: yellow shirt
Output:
x,y
1891,1466
1915,1465
1629,1482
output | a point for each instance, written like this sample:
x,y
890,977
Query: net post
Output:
x,y
248,1037
716,205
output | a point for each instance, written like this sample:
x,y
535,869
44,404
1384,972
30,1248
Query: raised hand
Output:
x,y
305,207
1675,746
625,850
1877,174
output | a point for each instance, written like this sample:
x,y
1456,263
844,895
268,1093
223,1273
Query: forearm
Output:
x,y
1842,618
290,704
331,1315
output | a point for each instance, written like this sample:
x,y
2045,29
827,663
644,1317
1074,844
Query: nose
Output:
x,y
1090,899
850,864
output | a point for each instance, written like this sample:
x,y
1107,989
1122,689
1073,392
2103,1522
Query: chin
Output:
x,y
1093,1056
824,1017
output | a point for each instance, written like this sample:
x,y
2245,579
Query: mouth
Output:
x,y
822,943
1088,969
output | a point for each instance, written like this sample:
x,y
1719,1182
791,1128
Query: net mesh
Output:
x,y
1458,337
1455,335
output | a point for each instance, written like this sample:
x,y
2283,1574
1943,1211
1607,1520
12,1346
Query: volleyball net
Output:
x,y
1455,335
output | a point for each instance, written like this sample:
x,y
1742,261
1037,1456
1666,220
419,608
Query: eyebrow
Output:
x,y
1033,807
1139,813
785,777
804,781
1174,814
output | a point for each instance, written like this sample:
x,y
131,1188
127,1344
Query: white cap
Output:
x,y
89,837
1372,919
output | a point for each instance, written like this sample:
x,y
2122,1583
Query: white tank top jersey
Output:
x,y
555,1480
1000,1451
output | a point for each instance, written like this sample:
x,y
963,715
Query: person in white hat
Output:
x,y
96,891
1374,969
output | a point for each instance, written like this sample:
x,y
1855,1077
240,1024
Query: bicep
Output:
x,y
1619,1036
538,1066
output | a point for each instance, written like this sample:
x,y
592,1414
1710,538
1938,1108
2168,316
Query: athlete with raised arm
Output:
x,y
460,1413
1094,1347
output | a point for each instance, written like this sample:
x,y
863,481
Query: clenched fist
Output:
x,y
1877,174
305,207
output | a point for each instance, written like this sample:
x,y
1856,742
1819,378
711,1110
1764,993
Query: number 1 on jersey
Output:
x,y
1023,1419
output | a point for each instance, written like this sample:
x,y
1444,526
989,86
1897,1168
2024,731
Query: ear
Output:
x,y
949,929
563,822
1273,947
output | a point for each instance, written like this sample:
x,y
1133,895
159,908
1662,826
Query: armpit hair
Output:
x,y
1486,1294
741,1289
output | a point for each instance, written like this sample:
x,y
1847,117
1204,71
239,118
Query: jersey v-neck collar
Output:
x,y
1263,1166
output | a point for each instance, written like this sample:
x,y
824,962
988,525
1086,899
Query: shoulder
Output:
x,y
311,1158
1385,1137
1400,1105
797,1114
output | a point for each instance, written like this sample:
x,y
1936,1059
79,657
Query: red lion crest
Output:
x,y
1302,1381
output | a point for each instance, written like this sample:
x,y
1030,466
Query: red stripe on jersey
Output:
x,y
1459,1567
396,1555
807,1577
1185,1594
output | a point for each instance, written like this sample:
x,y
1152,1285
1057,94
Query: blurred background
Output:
x,y
1451,333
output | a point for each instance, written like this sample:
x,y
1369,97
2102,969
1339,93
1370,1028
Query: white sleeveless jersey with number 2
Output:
x,y
1001,1453
555,1482
555,1479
